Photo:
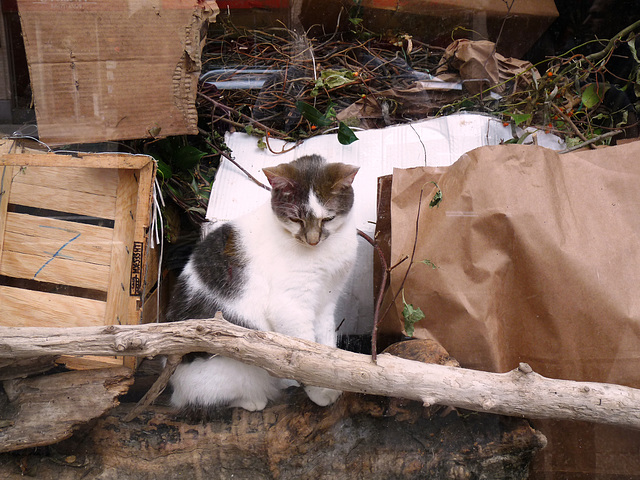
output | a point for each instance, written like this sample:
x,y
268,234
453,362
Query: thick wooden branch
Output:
x,y
520,393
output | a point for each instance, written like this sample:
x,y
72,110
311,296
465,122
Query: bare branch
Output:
x,y
520,393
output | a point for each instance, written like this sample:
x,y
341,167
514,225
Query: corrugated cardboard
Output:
x,y
113,70
438,141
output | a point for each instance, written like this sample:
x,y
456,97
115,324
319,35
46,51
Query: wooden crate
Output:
x,y
73,239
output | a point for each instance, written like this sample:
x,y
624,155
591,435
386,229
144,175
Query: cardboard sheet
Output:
x,y
537,261
115,70
433,142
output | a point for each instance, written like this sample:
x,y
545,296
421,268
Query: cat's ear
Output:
x,y
346,175
277,180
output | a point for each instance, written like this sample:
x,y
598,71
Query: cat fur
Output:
x,y
279,268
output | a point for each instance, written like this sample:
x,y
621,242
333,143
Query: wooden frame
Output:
x,y
73,238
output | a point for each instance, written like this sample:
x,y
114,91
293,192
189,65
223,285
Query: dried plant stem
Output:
x,y
566,118
604,136
232,160
283,150
380,295
596,57
228,109
411,257
157,388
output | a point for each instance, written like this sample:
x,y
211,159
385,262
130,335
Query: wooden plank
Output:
x,y
62,200
6,173
122,252
46,236
104,160
150,306
55,269
144,212
99,181
89,363
28,308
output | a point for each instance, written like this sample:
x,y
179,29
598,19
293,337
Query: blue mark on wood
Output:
x,y
59,250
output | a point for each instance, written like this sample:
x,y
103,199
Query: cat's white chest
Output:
x,y
285,275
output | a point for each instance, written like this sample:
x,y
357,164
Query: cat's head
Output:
x,y
312,198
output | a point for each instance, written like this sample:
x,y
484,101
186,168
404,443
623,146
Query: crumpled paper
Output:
x,y
479,66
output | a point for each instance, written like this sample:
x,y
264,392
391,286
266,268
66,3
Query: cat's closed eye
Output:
x,y
328,219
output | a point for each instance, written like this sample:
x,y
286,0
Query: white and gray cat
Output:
x,y
279,268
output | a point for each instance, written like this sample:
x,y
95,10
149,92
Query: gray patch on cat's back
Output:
x,y
220,262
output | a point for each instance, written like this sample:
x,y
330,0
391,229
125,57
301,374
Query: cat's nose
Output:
x,y
313,237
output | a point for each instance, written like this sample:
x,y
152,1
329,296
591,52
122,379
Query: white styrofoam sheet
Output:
x,y
436,142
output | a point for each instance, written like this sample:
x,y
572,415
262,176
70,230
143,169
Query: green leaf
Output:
x,y
313,115
430,263
187,157
195,186
635,79
593,95
624,120
411,316
437,197
345,134
201,210
522,139
336,78
518,118
632,47
316,88
572,141
330,79
164,170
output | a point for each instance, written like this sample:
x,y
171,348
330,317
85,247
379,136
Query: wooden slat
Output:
x,y
123,234
46,236
6,173
55,269
99,181
106,160
89,363
27,308
150,308
144,212
63,200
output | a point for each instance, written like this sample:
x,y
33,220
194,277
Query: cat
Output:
x,y
279,268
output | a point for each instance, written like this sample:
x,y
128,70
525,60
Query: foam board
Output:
x,y
435,142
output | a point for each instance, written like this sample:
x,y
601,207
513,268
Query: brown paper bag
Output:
x,y
538,261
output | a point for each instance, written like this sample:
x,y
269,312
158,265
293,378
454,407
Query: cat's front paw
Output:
x,y
253,405
322,396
